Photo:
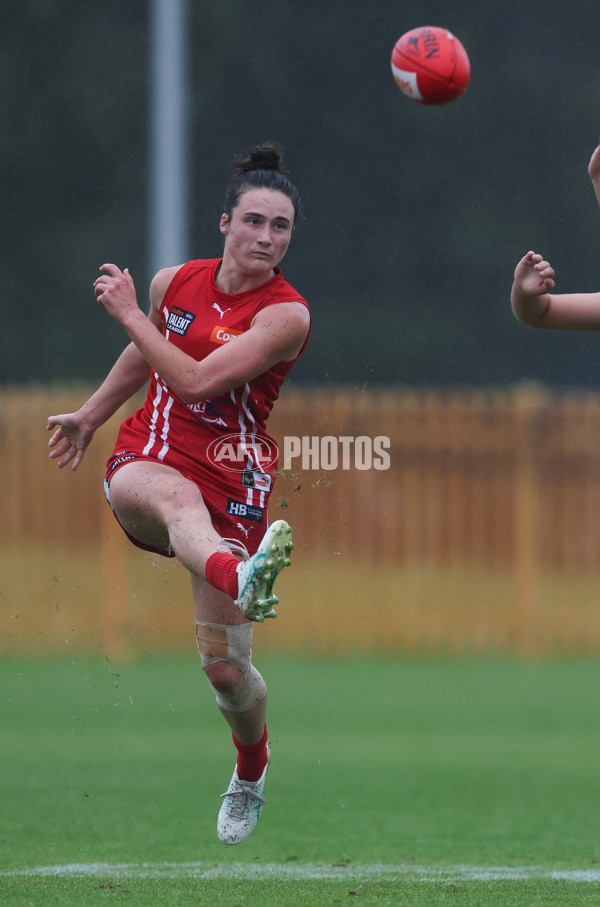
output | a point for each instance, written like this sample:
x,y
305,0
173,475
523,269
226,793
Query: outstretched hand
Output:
x,y
71,437
534,276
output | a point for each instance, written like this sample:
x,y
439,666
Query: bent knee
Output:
x,y
223,676
177,500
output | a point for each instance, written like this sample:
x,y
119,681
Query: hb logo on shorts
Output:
x,y
246,511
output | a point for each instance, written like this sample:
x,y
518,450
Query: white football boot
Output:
x,y
257,574
241,808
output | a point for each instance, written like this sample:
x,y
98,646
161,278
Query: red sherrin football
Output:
x,y
430,65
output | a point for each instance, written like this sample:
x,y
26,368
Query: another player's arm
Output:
x,y
535,306
277,334
594,171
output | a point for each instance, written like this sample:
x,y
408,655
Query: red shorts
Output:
x,y
237,501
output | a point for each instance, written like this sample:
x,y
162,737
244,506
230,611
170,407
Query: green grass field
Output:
x,y
392,782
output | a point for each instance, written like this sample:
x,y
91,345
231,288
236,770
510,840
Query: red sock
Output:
x,y
252,758
221,573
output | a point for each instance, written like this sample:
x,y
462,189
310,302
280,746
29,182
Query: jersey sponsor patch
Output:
x,y
224,335
246,511
262,481
179,320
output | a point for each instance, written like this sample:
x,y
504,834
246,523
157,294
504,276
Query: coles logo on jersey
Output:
x,y
224,335
179,320
242,453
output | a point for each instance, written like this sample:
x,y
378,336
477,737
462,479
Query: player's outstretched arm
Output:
x,y
73,432
535,306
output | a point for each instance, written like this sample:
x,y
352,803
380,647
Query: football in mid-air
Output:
x,y
430,65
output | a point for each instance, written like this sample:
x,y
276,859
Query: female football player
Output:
x,y
191,471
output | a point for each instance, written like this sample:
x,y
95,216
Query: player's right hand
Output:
x,y
70,439
534,276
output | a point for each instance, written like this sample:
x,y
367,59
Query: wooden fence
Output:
x,y
483,535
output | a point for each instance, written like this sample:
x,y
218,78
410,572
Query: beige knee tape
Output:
x,y
249,692
220,642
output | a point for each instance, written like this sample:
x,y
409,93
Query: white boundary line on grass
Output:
x,y
304,871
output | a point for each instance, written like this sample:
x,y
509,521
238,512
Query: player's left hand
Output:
x,y
115,292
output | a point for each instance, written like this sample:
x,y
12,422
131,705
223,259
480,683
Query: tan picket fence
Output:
x,y
482,536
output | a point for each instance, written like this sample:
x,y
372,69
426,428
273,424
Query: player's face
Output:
x,y
259,230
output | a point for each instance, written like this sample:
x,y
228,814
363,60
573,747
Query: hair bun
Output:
x,y
268,156
261,168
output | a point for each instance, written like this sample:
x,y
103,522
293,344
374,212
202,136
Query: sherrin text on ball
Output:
x,y
430,65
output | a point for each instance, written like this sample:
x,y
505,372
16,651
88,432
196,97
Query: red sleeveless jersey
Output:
x,y
223,441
